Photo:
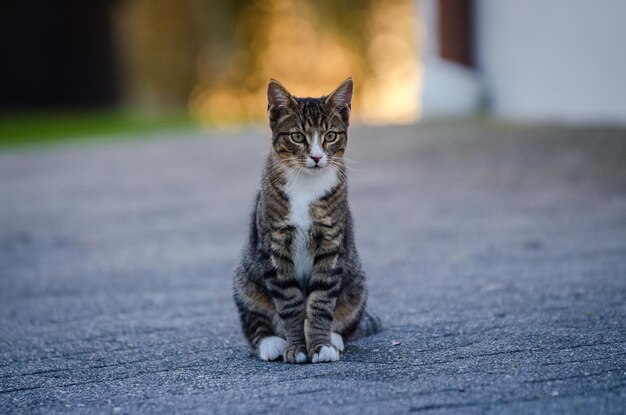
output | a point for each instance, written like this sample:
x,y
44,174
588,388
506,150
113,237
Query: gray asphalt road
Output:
x,y
496,258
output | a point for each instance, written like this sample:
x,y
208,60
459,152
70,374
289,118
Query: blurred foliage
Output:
x,y
159,44
32,128
217,56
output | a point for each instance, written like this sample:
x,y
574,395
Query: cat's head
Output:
x,y
309,133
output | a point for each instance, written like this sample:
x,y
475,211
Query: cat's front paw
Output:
x,y
295,353
324,353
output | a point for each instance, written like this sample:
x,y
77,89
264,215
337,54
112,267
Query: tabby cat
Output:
x,y
299,286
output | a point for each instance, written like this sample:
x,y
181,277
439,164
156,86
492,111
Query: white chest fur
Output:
x,y
302,189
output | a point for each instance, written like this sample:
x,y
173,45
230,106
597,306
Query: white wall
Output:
x,y
449,90
553,60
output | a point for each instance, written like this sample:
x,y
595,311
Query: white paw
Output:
x,y
271,348
337,341
326,354
300,358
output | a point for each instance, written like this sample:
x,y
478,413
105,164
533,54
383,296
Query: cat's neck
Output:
x,y
310,185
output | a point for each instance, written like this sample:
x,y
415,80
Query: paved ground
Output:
x,y
496,258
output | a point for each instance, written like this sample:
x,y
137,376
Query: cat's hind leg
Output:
x,y
257,313
350,308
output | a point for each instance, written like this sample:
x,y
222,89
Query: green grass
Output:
x,y
27,129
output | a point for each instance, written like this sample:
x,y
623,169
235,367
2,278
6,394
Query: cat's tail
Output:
x,y
368,325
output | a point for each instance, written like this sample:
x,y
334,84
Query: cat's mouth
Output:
x,y
314,169
315,166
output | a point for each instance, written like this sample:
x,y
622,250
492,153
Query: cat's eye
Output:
x,y
330,136
297,137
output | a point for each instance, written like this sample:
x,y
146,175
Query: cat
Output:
x,y
299,286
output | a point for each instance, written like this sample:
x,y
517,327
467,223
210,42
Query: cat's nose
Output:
x,y
316,159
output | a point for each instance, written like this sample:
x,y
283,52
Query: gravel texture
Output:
x,y
496,258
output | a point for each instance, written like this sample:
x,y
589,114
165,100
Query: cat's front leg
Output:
x,y
323,291
290,306
282,286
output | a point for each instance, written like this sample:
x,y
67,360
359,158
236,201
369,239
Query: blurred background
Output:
x,y
76,68
487,184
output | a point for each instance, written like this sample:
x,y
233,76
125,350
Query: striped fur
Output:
x,y
300,277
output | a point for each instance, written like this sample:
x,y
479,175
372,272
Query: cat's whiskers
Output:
x,y
342,161
351,168
284,165
292,172
341,175
349,160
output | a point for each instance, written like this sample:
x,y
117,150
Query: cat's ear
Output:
x,y
277,95
342,96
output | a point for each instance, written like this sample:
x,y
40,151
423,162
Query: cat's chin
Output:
x,y
314,169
